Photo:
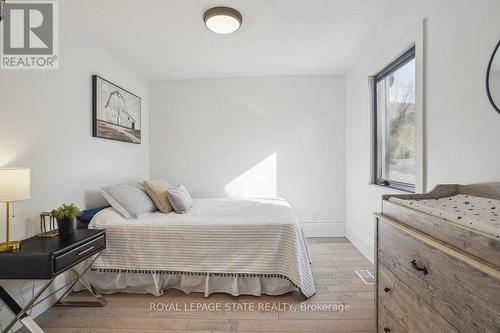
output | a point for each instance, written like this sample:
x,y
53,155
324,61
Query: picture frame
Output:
x,y
116,112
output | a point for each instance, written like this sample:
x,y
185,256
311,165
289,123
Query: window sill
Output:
x,y
390,190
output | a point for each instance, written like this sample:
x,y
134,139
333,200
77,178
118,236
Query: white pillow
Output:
x,y
179,199
130,200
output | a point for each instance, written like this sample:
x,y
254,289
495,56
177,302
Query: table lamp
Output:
x,y
14,186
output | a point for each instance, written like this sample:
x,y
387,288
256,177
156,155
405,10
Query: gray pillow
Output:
x,y
131,200
179,199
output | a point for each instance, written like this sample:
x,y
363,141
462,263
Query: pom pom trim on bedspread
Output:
x,y
135,271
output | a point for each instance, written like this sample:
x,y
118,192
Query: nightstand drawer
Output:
x,y
84,251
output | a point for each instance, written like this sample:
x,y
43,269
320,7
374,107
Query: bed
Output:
x,y
235,246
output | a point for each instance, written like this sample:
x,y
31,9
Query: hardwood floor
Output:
x,y
334,261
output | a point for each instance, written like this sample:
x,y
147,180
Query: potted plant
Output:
x,y
66,218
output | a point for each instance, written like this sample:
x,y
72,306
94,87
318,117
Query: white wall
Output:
x,y
461,128
46,126
495,86
288,131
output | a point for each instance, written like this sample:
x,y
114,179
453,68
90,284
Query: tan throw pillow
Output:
x,y
157,191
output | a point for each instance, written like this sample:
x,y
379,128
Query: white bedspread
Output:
x,y
217,237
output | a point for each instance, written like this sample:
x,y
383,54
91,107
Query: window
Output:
x,y
394,124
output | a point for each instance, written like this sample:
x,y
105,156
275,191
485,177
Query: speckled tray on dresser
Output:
x,y
463,216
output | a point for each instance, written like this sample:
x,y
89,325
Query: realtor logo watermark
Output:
x,y
30,35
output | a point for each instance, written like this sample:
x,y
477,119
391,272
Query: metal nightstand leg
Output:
x,y
22,313
100,300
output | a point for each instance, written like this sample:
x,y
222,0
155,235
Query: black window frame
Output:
x,y
402,60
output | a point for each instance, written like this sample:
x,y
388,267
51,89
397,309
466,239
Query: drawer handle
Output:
x,y
387,289
420,269
84,251
386,329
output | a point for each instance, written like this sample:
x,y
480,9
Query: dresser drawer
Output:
x,y
387,321
72,257
407,311
462,290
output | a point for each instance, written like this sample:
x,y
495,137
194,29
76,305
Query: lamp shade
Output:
x,y
14,184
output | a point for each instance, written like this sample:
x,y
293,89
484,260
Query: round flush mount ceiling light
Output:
x,y
222,20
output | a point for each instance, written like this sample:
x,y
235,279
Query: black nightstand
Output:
x,y
45,259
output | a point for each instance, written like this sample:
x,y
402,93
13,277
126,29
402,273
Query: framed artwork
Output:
x,y
116,112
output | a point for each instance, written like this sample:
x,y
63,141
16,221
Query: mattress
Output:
x,y
474,212
237,238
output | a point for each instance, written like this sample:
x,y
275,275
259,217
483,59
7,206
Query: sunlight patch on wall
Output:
x,y
258,181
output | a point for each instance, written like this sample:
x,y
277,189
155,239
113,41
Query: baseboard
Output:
x,y
323,229
364,247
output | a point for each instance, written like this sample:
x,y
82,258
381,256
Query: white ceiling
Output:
x,y
166,39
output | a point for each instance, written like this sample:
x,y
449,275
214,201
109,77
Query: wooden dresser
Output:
x,y
433,274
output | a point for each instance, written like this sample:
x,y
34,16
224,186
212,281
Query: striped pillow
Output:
x,y
130,200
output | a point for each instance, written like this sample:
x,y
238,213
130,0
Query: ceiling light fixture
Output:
x,y
222,20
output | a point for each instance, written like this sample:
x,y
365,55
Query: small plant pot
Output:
x,y
66,226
